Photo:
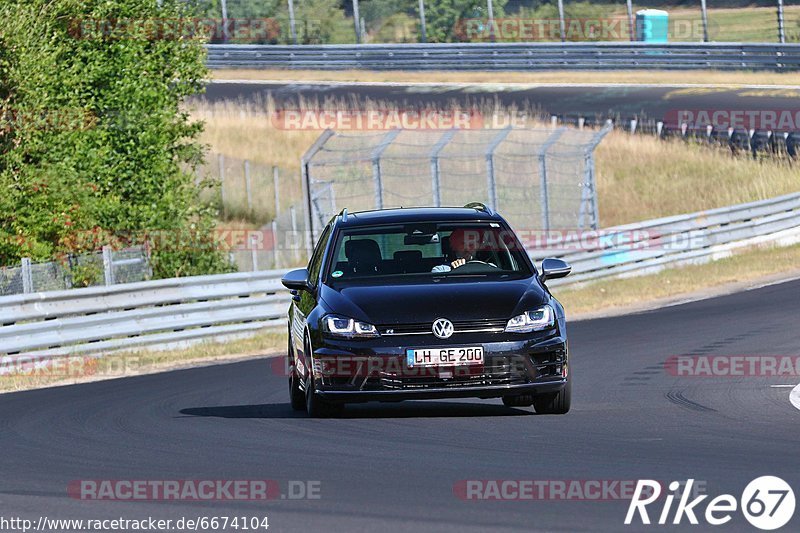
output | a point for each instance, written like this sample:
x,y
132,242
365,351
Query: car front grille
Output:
x,y
505,373
426,328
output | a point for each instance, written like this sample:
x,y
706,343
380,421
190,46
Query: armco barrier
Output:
x,y
99,320
649,246
510,56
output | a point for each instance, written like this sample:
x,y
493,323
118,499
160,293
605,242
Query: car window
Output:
x,y
427,251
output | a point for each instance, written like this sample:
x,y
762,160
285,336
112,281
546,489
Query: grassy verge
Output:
x,y
748,265
657,77
77,369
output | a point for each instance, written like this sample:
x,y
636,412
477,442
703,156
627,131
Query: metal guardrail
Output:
x,y
103,319
99,320
649,246
511,56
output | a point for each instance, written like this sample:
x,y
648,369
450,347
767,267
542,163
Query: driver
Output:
x,y
464,244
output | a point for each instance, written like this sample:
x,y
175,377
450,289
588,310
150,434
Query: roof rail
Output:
x,y
480,207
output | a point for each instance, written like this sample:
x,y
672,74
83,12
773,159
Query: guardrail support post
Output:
x,y
781,27
108,265
27,275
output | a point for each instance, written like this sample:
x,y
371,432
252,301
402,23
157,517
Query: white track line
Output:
x,y
515,85
794,396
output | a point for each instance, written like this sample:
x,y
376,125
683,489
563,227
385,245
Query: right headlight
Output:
x,y
342,326
536,320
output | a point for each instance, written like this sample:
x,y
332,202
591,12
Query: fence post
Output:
x,y
308,210
274,228
376,166
253,254
292,26
295,248
275,178
27,276
108,265
221,159
438,147
357,21
631,29
704,13
781,26
544,194
247,186
491,183
422,30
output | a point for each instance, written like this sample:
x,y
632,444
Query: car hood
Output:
x,y
455,300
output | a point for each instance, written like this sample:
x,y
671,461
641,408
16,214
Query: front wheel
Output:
x,y
554,404
316,407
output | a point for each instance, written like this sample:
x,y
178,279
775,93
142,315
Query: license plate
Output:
x,y
455,356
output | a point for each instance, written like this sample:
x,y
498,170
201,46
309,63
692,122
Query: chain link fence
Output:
x,y
539,178
261,205
108,267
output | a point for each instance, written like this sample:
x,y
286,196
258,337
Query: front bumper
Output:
x,y
376,370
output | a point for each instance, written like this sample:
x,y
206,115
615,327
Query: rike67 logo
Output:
x,y
767,503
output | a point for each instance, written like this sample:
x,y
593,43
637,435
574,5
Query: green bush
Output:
x,y
92,136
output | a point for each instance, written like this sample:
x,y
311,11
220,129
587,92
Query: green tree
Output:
x,y
446,19
94,141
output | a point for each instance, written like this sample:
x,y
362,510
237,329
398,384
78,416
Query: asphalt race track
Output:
x,y
393,467
655,102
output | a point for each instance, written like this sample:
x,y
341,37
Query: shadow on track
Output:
x,y
409,409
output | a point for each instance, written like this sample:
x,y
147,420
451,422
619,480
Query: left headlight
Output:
x,y
341,326
536,320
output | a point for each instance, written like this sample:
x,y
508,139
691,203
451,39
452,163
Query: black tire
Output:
x,y
554,404
315,406
296,394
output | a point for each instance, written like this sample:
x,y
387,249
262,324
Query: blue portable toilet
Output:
x,y
652,26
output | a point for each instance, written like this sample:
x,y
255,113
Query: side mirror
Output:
x,y
296,280
553,269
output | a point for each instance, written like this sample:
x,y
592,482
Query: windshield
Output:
x,y
422,251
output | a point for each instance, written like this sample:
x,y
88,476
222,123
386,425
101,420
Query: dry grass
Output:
x,y
675,282
639,177
657,77
77,369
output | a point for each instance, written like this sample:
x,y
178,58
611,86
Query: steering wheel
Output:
x,y
474,263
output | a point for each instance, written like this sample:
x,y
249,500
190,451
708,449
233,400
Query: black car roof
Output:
x,y
415,214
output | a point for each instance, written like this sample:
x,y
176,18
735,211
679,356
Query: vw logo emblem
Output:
x,y
442,328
